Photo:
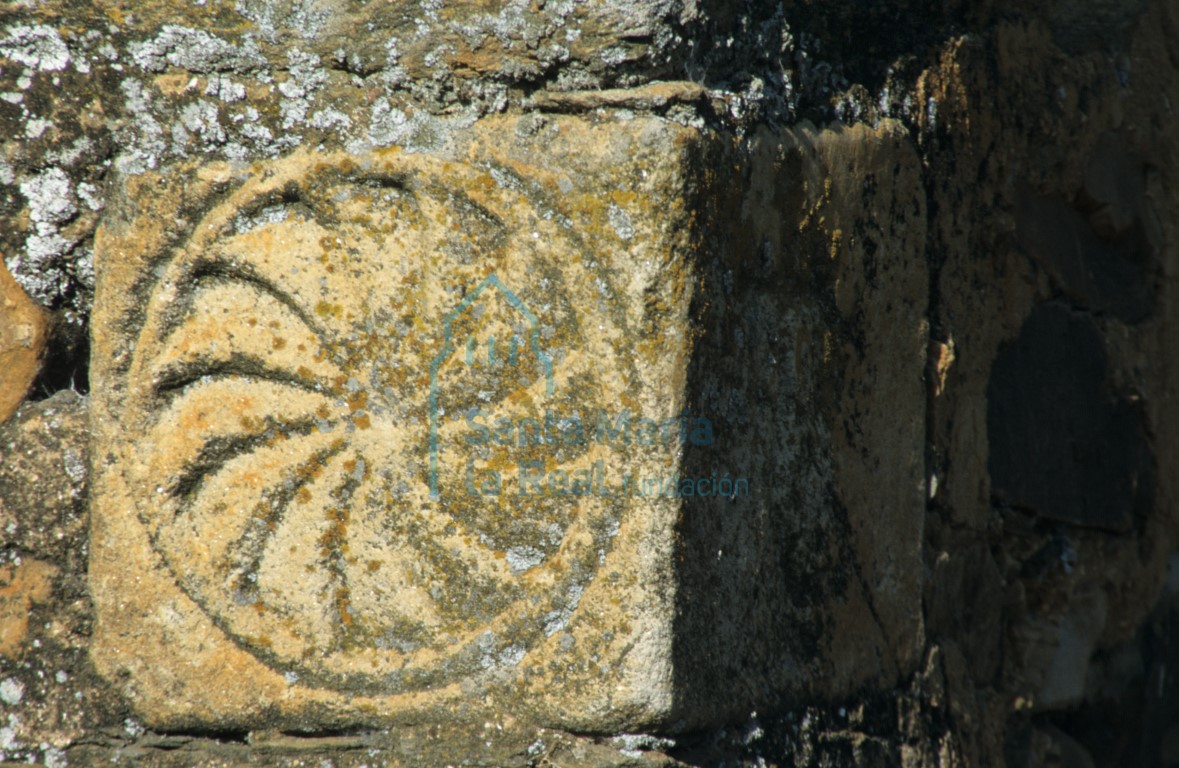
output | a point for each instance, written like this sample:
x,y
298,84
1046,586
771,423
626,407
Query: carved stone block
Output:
x,y
402,437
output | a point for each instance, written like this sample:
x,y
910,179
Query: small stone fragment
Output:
x,y
23,333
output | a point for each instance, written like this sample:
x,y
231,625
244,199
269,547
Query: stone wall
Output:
x,y
353,357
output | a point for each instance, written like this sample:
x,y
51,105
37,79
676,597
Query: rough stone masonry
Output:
x,y
587,383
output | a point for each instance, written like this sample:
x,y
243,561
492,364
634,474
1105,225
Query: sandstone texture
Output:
x,y
22,343
355,354
49,693
385,407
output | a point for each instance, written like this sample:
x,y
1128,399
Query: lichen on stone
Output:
x,y
36,46
195,50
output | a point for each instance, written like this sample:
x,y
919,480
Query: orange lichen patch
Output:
x,y
623,197
252,480
357,401
344,607
362,421
20,587
302,496
326,309
194,422
309,471
278,342
264,510
374,565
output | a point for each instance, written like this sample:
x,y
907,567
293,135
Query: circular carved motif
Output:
x,y
350,380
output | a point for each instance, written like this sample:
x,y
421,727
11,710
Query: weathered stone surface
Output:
x,y
43,478
796,326
50,696
22,342
374,473
21,586
412,433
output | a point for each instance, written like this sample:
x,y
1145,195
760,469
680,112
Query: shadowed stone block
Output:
x,y
1062,445
532,426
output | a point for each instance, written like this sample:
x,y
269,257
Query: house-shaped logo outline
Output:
x,y
448,348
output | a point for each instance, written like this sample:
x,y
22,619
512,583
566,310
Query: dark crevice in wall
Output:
x,y
66,364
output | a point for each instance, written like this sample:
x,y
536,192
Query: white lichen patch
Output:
x,y
37,47
225,89
51,267
620,222
271,16
36,127
524,558
91,196
326,119
11,691
8,739
199,119
50,196
196,51
72,154
54,758
633,744
305,77
388,125
145,143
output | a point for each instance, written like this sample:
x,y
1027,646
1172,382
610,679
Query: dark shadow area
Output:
x,y
1132,695
765,547
802,54
1061,445
66,364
